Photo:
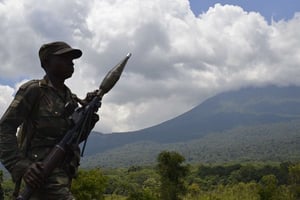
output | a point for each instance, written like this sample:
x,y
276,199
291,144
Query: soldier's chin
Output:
x,y
69,75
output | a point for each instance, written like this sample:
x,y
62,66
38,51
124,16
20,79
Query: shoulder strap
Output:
x,y
24,135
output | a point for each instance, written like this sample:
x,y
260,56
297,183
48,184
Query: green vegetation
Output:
x,y
8,188
171,178
247,181
1,188
90,184
277,142
172,174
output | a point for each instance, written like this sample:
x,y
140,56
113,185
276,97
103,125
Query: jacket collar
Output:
x,y
45,82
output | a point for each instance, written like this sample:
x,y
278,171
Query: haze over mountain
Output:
x,y
245,109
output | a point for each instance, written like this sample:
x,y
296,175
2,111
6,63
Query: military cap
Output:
x,y
57,48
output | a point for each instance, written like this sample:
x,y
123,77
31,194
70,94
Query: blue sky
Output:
x,y
276,9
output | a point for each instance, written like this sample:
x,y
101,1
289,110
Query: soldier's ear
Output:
x,y
45,63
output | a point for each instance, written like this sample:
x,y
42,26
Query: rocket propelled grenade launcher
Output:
x,y
112,77
83,124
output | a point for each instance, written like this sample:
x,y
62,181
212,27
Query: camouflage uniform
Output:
x,y
39,109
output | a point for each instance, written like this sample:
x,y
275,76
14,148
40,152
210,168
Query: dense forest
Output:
x,y
172,178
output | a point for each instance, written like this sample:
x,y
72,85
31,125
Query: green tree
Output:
x,y
294,177
141,195
172,171
268,187
151,185
8,188
194,189
90,184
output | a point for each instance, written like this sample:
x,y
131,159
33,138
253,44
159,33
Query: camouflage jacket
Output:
x,y
38,111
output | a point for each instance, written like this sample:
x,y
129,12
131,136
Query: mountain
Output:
x,y
266,108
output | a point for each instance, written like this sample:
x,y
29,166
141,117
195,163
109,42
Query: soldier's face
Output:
x,y
61,66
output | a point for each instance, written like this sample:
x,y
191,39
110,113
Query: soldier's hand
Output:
x,y
90,95
34,175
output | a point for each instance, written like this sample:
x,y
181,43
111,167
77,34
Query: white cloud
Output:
x,y
5,97
178,59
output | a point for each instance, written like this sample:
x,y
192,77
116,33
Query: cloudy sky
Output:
x,y
182,52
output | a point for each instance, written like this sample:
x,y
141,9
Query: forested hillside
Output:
x,y
272,142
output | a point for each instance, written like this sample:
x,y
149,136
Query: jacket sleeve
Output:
x,y
19,109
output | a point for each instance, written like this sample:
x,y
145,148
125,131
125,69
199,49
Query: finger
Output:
x,y
37,169
40,166
31,182
34,183
34,177
37,174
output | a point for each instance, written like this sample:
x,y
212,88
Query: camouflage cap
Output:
x,y
57,48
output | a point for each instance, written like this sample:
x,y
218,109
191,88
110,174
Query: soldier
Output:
x,y
39,111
